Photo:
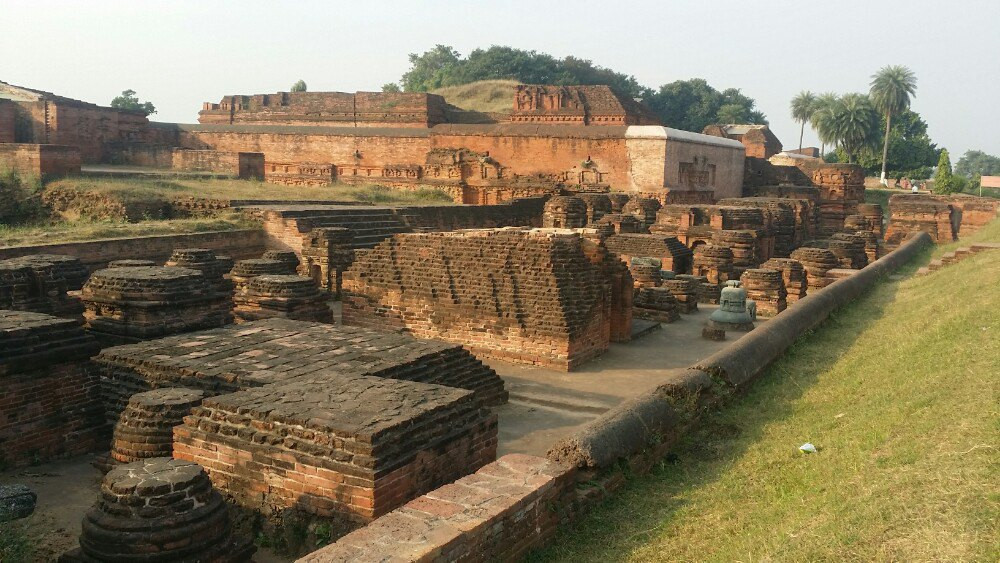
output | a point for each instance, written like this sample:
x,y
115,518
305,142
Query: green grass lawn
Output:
x,y
899,393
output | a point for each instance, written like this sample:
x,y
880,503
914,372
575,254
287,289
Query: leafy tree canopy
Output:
x,y
685,104
299,86
943,179
977,162
911,152
391,88
128,100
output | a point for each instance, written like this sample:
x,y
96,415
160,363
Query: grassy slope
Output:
x,y
486,96
140,189
898,392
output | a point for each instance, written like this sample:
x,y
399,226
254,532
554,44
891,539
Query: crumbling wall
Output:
x,y
529,296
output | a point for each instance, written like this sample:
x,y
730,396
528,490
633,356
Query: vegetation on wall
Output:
x,y
299,86
129,101
683,104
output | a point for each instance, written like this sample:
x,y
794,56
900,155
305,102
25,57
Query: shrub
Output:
x,y
20,199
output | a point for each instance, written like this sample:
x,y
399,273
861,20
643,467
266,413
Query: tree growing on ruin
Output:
x,y
391,88
803,106
129,101
891,89
299,86
944,182
694,104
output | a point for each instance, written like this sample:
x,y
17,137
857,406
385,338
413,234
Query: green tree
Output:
x,y
977,162
803,106
693,104
891,88
299,86
911,152
129,101
854,124
391,88
430,69
943,181
821,119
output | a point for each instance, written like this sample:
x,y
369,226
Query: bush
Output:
x,y
20,199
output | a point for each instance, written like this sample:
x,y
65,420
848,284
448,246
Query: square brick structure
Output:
x,y
343,423
547,297
49,402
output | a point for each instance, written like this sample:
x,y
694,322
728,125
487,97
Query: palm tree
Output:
x,y
854,123
821,121
803,107
891,89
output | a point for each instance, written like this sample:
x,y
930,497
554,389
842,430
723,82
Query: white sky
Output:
x,y
179,54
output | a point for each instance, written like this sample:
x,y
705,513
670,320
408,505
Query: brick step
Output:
x,y
360,224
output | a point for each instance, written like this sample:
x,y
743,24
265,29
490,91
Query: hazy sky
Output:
x,y
180,54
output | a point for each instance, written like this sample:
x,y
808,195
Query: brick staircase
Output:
x,y
949,258
369,225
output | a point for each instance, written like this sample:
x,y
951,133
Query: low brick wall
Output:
x,y
40,160
95,254
498,513
245,165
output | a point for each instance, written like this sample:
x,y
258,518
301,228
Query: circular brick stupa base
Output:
x,y
289,297
286,257
158,510
145,428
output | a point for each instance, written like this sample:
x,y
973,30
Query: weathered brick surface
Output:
x,y
656,304
158,510
246,270
40,160
911,214
565,212
673,255
138,303
337,444
49,401
793,276
542,297
817,263
40,282
250,355
286,296
361,109
496,514
715,262
767,288
145,428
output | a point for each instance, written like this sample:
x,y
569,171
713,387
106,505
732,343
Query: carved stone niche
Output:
x,y
698,173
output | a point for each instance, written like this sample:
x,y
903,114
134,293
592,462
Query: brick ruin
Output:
x,y
50,401
285,296
145,429
581,105
158,509
333,422
944,218
759,141
42,283
547,297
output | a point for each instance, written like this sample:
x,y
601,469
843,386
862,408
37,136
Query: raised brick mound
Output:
x,y
817,263
245,270
129,263
253,354
31,283
742,244
644,209
50,402
618,201
656,304
708,292
872,212
780,217
545,297
685,291
849,249
564,212
69,268
348,446
145,428
288,296
598,205
158,510
713,261
767,289
857,222
618,223
326,253
671,252
911,214
872,246
645,272
138,303
206,262
793,276
286,257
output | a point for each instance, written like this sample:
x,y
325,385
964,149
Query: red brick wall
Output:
x,y
91,129
39,160
53,412
498,513
7,121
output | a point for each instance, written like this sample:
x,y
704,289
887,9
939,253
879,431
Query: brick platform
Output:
x,y
49,402
334,444
545,297
288,297
39,283
258,353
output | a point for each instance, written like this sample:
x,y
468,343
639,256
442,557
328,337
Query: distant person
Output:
x,y
906,183
915,188
896,184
